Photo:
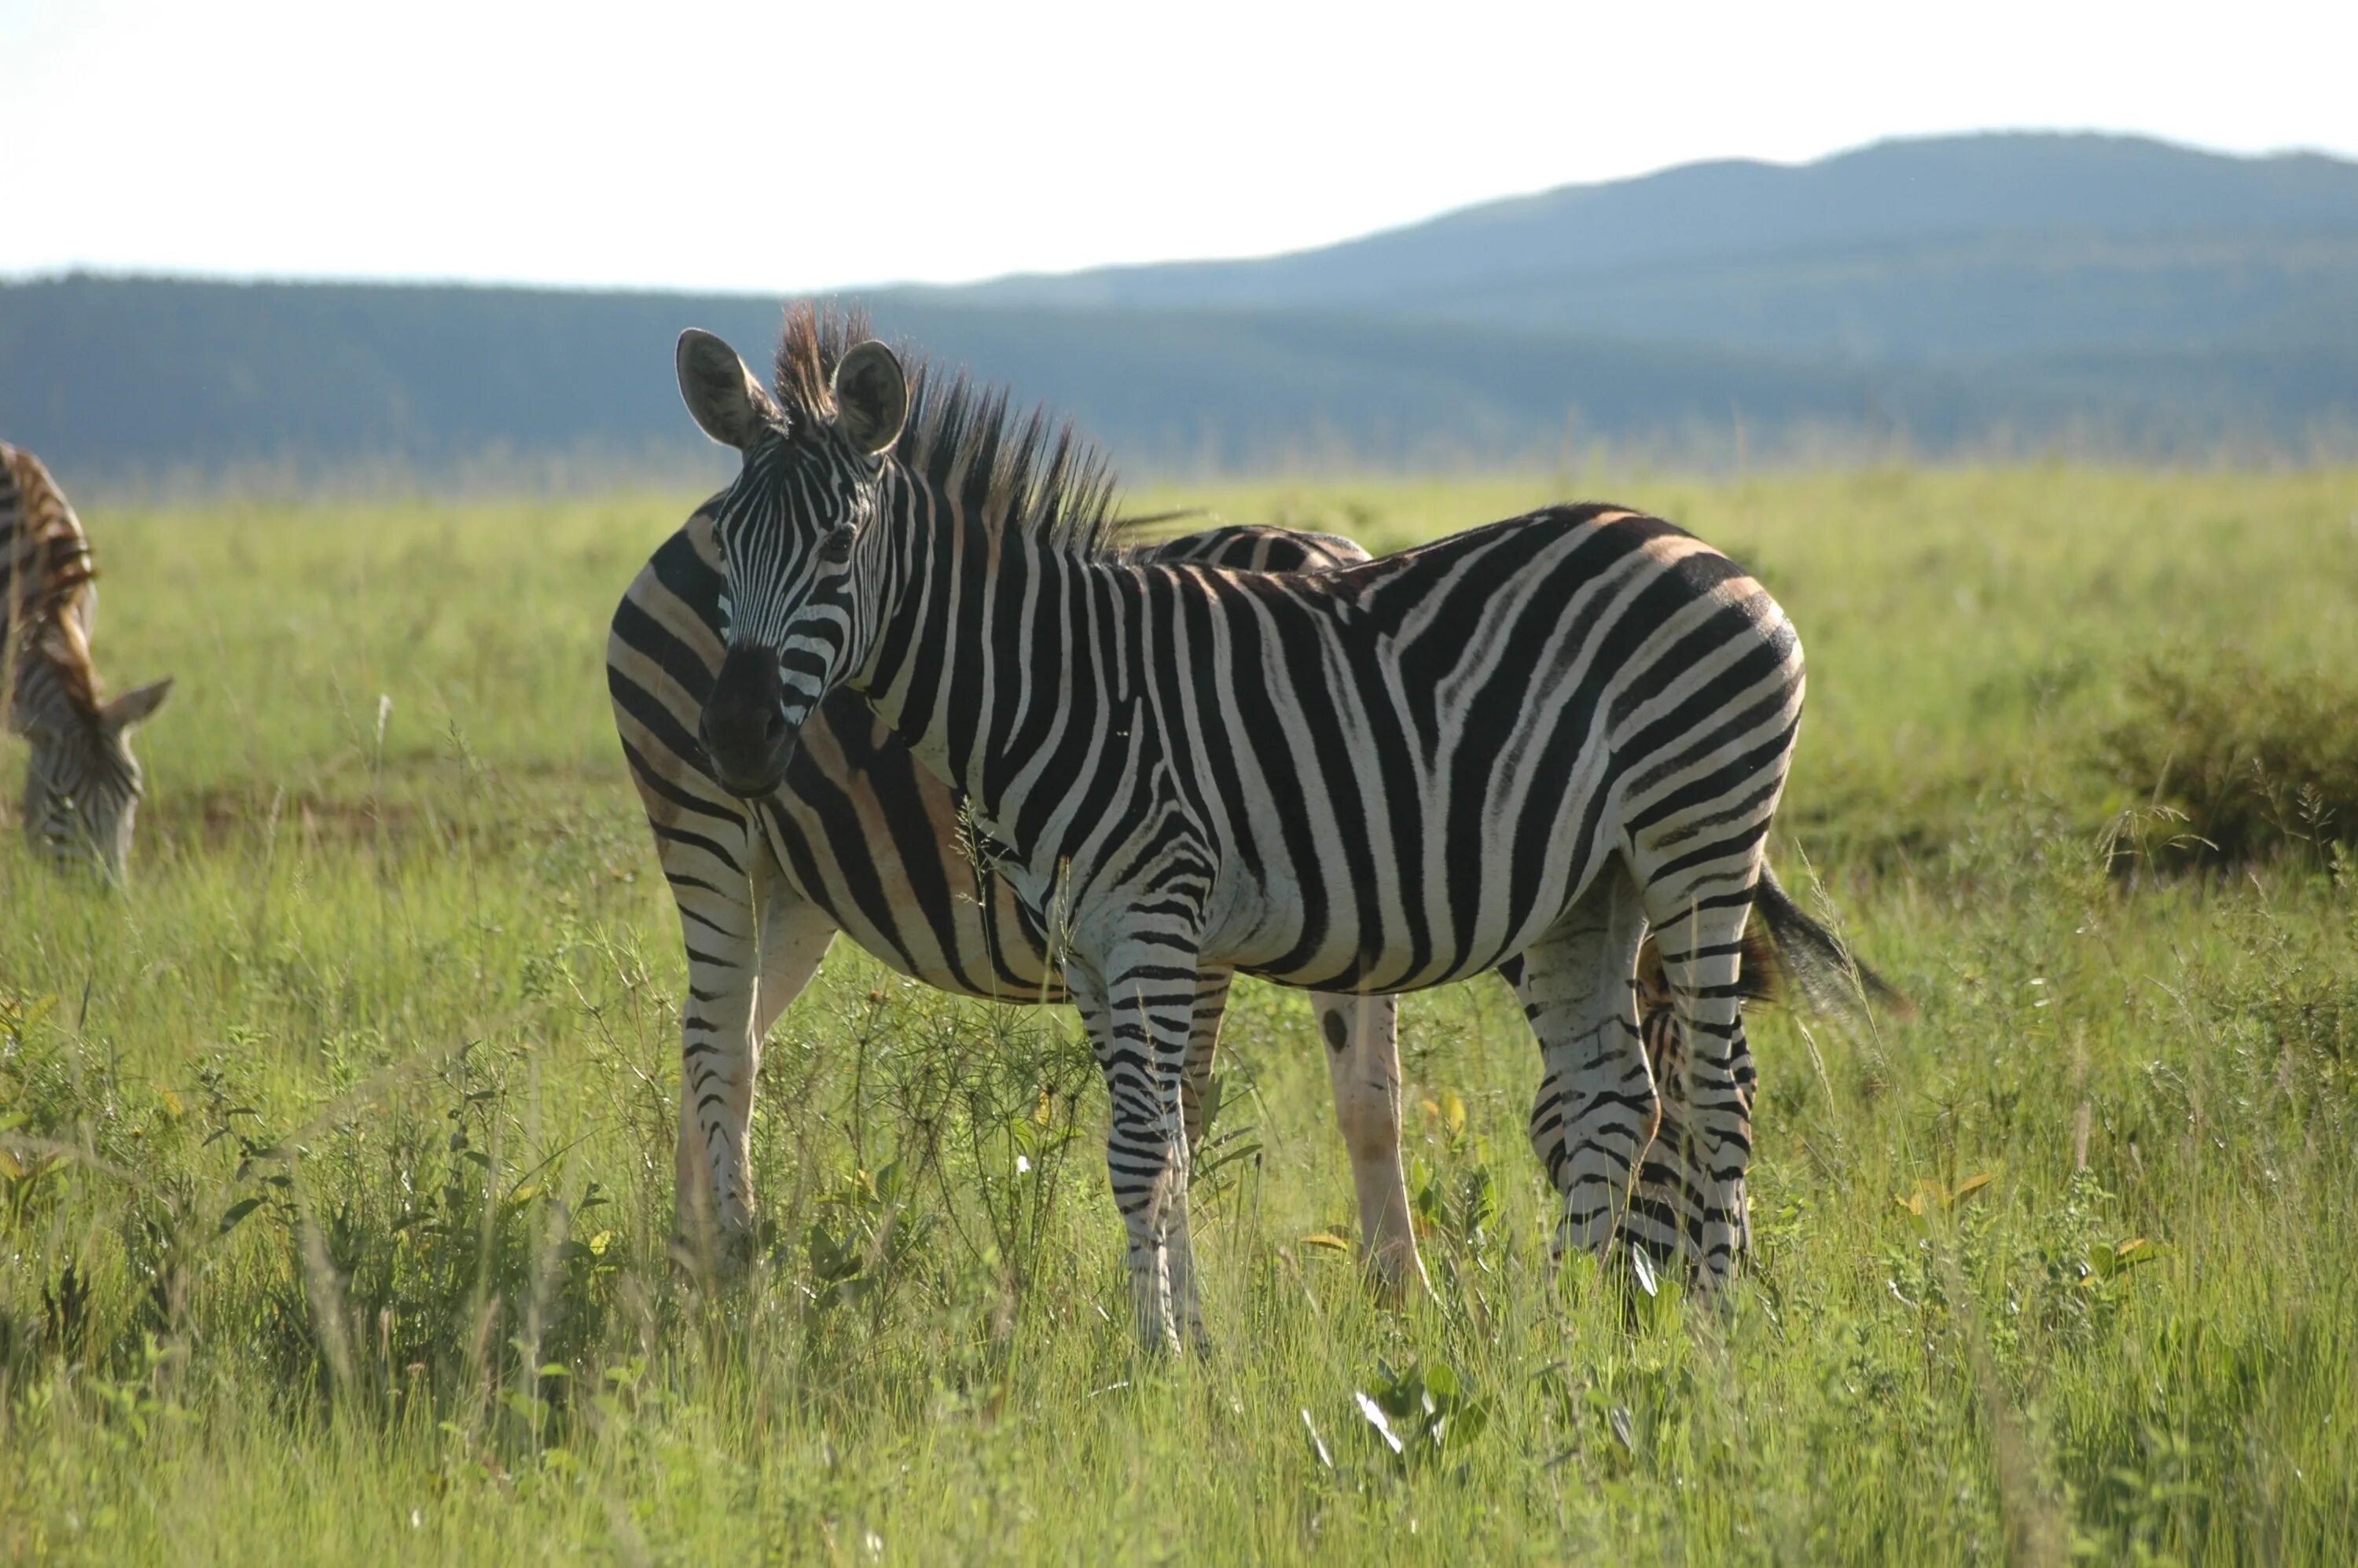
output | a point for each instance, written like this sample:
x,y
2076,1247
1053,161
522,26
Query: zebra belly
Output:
x,y
1422,892
1368,935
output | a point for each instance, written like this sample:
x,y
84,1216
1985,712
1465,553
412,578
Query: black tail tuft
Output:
x,y
1812,960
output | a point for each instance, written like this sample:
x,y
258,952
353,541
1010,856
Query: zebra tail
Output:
x,y
1803,957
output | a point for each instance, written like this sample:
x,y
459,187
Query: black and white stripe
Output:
x,y
1520,747
82,782
855,836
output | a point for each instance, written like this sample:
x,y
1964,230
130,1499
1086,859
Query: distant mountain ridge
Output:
x,y
2114,241
2014,292
1892,192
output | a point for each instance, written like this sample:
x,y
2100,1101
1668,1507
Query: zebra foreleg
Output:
x,y
1205,1017
1203,1050
1138,1007
1596,1107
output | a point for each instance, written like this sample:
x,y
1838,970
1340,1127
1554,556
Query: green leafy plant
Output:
x,y
1422,1412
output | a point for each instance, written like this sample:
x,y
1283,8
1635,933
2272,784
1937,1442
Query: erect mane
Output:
x,y
1016,473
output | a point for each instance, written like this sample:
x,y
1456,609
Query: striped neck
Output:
x,y
994,648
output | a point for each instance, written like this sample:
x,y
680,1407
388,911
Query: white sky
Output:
x,y
781,145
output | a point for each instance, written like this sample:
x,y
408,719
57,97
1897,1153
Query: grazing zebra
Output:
x,y
855,836
82,782
1515,748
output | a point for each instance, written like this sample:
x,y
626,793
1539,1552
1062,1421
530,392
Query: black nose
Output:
x,y
744,728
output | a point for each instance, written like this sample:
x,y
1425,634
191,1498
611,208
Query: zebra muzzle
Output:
x,y
748,738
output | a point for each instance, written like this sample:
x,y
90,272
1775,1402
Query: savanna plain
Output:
x,y
335,1153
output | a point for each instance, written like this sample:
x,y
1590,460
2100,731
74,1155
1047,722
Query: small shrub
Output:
x,y
2245,763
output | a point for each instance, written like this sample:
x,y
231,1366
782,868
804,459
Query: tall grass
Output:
x,y
335,1157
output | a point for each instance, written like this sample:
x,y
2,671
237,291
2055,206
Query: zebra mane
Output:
x,y
1018,473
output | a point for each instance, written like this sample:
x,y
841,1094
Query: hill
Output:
x,y
1975,293
1960,245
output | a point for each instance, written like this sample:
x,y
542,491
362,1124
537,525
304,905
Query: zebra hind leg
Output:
x,y
711,1191
1596,1109
751,950
1673,1195
1695,1198
1362,1038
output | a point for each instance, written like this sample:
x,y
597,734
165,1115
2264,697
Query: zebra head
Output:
x,y
799,562
83,784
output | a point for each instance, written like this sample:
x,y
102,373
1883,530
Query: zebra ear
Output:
x,y
871,397
135,707
721,395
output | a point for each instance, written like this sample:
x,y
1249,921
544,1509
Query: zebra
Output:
x,y
83,785
1521,747
855,836
858,839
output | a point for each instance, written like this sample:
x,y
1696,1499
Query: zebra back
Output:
x,y
48,599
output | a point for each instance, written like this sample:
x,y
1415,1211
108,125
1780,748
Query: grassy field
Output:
x,y
335,1158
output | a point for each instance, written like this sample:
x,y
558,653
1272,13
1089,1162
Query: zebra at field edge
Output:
x,y
856,837
861,840
1519,747
83,785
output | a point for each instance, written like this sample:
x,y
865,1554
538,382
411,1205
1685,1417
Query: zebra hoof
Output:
x,y
1396,1275
710,1258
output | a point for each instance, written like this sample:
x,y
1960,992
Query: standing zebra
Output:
x,y
82,782
858,837
853,836
1514,747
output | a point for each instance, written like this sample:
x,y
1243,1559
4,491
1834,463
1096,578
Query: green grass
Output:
x,y
337,1160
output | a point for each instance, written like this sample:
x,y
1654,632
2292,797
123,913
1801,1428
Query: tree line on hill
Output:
x,y
1988,295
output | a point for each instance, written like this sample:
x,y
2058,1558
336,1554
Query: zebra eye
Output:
x,y
836,548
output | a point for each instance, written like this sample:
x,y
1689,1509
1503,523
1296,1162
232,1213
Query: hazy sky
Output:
x,y
778,145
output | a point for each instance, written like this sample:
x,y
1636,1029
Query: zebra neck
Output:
x,y
41,694
995,650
